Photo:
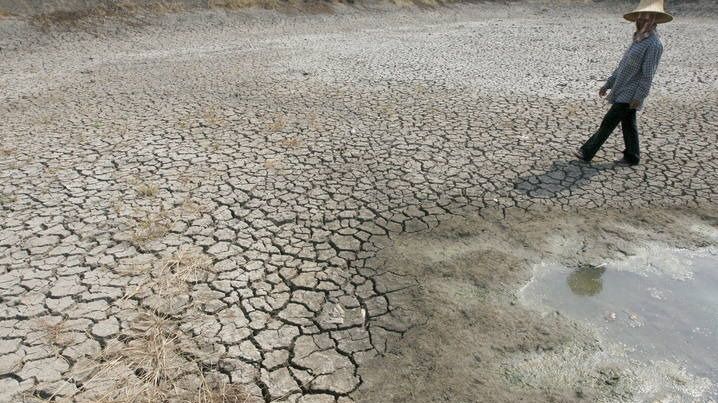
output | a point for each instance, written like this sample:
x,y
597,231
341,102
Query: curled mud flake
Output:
x,y
333,313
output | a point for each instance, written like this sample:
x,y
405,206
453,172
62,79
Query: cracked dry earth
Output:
x,y
198,200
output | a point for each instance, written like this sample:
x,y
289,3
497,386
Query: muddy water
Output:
x,y
659,307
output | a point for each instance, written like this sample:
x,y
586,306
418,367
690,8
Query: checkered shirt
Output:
x,y
631,81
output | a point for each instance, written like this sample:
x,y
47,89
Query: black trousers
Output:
x,y
619,113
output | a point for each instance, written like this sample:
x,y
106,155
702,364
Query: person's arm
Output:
x,y
608,85
610,81
612,78
648,70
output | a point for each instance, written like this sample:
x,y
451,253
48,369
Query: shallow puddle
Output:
x,y
659,306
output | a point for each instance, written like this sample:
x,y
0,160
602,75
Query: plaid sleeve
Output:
x,y
648,70
610,81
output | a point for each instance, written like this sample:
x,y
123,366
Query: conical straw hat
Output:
x,y
650,6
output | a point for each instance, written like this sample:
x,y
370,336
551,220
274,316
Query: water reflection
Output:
x,y
586,281
661,305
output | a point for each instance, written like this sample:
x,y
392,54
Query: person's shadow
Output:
x,y
561,177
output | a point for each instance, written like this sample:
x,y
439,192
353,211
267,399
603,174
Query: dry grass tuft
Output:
x,y
165,286
152,226
212,117
126,11
220,392
278,124
155,361
312,120
133,13
6,152
193,207
147,189
288,6
271,164
75,19
425,4
171,278
388,110
189,265
7,199
54,332
291,142
572,109
53,335
154,364
153,354
238,4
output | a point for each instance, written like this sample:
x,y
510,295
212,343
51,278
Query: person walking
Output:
x,y
630,83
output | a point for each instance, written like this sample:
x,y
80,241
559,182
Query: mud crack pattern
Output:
x,y
222,182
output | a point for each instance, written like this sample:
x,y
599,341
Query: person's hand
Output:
x,y
602,92
634,104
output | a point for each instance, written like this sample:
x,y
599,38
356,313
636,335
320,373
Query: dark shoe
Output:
x,y
579,154
624,163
